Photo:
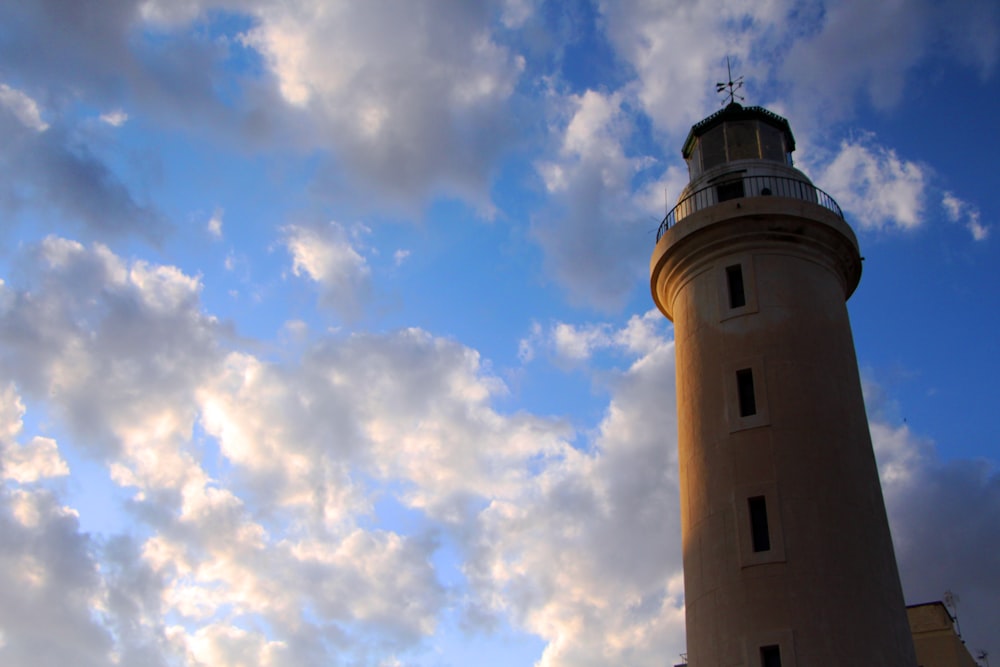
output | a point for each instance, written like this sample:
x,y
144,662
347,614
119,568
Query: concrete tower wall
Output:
x,y
825,590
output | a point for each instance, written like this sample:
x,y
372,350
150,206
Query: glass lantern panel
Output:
x,y
771,143
694,161
741,140
713,147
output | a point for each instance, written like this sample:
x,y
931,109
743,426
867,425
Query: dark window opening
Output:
x,y
770,656
760,537
737,295
745,394
730,190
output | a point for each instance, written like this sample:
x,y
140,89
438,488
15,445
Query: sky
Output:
x,y
325,327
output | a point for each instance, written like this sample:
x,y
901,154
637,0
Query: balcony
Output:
x,y
747,186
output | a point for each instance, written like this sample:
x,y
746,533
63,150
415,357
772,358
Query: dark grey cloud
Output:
x,y
945,517
68,43
55,173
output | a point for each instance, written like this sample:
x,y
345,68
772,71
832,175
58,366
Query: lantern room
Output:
x,y
737,133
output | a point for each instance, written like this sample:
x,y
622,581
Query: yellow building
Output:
x,y
934,637
787,554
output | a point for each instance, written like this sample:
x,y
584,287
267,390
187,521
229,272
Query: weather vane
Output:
x,y
731,86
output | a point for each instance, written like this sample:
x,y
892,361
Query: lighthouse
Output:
x,y
788,560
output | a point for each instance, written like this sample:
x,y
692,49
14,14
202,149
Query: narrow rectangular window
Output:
x,y
760,536
744,392
770,656
734,278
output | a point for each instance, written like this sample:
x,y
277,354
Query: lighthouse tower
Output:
x,y
788,559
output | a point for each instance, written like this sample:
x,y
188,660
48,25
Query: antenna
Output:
x,y
951,600
730,87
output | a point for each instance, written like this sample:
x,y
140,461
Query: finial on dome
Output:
x,y
729,88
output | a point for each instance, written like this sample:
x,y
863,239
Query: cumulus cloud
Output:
x,y
114,346
552,555
875,187
589,229
407,99
678,48
328,256
94,324
577,343
407,408
37,459
787,44
50,582
260,485
410,95
280,557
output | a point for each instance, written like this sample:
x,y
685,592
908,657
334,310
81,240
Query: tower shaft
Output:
x,y
788,558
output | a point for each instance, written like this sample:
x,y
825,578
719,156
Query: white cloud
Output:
x,y
678,49
30,462
526,346
588,229
409,96
962,211
577,343
24,108
214,225
550,556
11,413
36,460
132,333
113,347
311,445
327,255
875,187
400,256
114,118
50,580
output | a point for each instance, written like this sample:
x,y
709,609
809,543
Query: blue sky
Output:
x,y
326,335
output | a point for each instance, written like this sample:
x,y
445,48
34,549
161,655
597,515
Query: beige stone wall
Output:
x,y
934,637
827,591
